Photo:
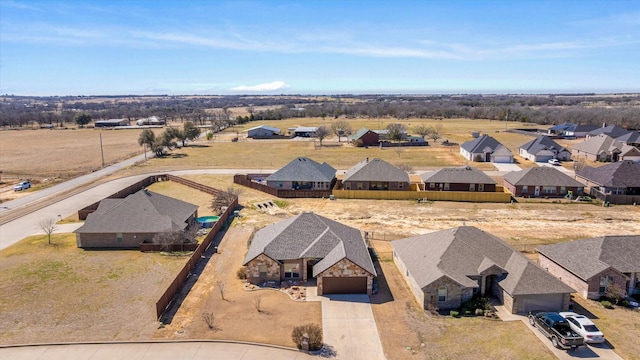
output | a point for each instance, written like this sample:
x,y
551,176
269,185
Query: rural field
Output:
x,y
90,287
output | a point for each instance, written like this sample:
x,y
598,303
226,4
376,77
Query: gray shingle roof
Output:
x,y
598,144
586,258
542,143
309,235
541,176
481,144
304,169
266,127
632,137
611,130
466,251
141,212
458,175
375,170
619,174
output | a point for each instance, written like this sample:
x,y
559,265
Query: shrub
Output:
x,y
625,303
479,312
477,302
313,331
454,313
242,273
606,304
467,313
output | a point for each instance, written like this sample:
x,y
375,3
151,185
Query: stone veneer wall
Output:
x,y
253,269
455,294
345,268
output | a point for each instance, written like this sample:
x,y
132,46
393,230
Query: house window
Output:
x,y
291,270
563,190
442,294
359,186
432,185
446,186
480,187
472,187
549,189
525,189
605,281
262,269
347,186
400,185
119,238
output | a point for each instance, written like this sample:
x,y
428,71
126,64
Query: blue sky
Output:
x,y
318,47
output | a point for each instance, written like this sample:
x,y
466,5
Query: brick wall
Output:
x,y
344,268
253,269
565,276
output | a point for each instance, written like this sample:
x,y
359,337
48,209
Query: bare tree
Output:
x,y
578,164
615,292
422,130
396,132
435,132
48,226
321,133
222,287
406,167
209,318
341,128
224,199
257,302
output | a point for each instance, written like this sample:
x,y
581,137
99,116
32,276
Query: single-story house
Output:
x,y
541,181
111,123
571,130
303,173
365,137
591,265
310,246
543,149
606,149
464,178
376,174
631,138
303,131
486,149
620,178
446,268
612,130
128,222
262,132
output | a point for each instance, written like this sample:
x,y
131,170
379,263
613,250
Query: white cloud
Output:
x,y
272,86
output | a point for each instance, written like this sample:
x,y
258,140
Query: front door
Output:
x,y
537,191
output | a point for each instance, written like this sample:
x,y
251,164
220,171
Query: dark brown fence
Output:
x,y
615,199
150,247
245,180
193,184
172,290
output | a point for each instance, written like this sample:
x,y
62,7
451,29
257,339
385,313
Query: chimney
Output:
x,y
604,125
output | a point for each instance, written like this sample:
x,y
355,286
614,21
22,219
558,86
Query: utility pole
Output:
x,y
506,118
101,150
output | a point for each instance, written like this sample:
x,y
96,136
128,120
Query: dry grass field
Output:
x,y
58,293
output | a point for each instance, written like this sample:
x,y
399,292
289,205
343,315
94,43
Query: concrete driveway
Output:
x,y
506,167
349,327
600,351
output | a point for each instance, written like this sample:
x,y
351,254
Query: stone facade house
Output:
x,y
464,178
591,265
486,149
543,149
310,246
303,173
541,181
376,174
126,223
604,148
446,268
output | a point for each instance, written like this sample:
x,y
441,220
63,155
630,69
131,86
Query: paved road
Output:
x,y
192,350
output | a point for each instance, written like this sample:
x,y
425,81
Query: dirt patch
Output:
x,y
236,316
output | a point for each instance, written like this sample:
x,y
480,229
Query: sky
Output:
x,y
318,47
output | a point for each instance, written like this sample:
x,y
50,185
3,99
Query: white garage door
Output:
x,y
552,302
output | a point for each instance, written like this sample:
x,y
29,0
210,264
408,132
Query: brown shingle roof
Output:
x,y
621,174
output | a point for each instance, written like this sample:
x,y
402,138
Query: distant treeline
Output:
x,y
622,110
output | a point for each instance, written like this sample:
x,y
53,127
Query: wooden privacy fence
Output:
x,y
247,180
468,196
165,299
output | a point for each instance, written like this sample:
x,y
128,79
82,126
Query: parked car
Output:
x,y
555,327
22,186
585,327
632,302
555,162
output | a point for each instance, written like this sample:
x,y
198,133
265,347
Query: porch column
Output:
x,y
632,283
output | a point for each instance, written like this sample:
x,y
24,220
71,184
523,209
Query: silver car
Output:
x,y
585,327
